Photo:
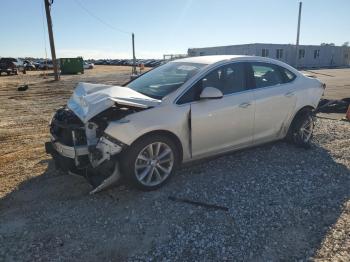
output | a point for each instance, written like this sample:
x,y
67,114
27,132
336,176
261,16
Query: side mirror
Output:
x,y
211,93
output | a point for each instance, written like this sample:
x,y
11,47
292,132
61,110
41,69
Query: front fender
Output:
x,y
171,118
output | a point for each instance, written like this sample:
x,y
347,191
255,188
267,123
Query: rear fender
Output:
x,y
295,116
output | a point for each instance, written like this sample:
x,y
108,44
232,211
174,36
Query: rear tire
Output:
x,y
301,130
150,162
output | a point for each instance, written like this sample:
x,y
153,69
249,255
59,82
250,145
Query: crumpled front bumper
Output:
x,y
66,151
84,160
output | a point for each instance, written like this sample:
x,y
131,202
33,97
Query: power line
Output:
x,y
100,19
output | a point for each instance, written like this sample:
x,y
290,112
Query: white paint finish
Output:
x,y
309,92
166,117
273,107
211,93
218,124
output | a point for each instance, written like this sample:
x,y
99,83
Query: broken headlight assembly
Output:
x,y
105,149
113,140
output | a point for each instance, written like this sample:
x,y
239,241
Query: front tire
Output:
x,y
301,130
150,162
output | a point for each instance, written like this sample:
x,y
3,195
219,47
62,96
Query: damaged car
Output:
x,y
184,110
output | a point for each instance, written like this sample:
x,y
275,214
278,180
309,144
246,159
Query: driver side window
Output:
x,y
228,79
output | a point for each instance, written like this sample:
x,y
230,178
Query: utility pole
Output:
x,y
298,34
133,55
48,3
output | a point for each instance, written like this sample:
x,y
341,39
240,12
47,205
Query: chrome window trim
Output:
x,y
237,93
209,69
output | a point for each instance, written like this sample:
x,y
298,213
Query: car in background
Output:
x,y
182,111
29,65
130,62
148,62
11,65
88,65
45,65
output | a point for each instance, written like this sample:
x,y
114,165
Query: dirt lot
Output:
x,y
284,203
337,80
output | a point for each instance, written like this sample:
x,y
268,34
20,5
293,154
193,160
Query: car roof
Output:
x,y
212,59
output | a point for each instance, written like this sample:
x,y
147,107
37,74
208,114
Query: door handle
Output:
x,y
245,105
289,94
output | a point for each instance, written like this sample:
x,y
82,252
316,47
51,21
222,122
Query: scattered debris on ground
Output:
x,y
22,88
333,106
197,203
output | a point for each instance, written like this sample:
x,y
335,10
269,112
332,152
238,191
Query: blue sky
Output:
x,y
164,26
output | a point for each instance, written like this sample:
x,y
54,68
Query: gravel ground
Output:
x,y
285,203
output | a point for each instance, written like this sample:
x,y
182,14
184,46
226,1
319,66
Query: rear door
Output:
x,y
275,99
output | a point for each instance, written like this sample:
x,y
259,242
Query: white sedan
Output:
x,y
184,110
88,65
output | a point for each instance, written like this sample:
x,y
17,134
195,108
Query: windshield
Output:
x,y
163,80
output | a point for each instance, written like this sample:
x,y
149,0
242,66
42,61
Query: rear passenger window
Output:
x,y
287,75
266,75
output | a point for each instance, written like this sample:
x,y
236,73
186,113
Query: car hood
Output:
x,y
88,100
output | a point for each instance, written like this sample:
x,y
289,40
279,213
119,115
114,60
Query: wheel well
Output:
x,y
300,112
168,134
303,109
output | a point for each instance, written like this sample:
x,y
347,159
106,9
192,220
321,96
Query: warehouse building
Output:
x,y
309,56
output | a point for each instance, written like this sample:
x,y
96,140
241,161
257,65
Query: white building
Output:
x,y
309,56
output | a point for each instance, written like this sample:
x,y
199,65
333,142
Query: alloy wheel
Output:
x,y
306,129
154,164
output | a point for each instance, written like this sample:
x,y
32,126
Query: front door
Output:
x,y
223,124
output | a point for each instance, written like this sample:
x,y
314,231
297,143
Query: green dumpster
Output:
x,y
72,65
